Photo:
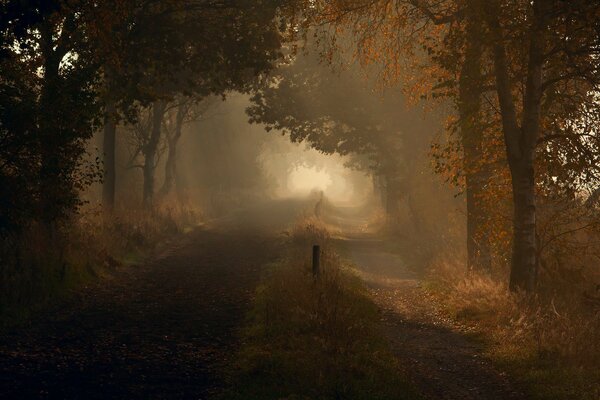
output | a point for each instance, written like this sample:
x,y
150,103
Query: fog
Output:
x,y
285,199
217,150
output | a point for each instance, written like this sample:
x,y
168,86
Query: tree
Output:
x,y
402,40
182,111
388,29
18,146
335,114
216,47
49,81
522,115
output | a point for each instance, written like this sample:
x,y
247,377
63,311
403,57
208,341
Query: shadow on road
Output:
x,y
159,330
439,358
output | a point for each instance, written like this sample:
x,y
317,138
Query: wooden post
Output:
x,y
316,261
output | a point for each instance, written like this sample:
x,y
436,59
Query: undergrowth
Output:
x,y
40,264
314,338
550,343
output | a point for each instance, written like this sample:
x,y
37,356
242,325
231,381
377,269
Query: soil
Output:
x,y
162,330
441,358
165,329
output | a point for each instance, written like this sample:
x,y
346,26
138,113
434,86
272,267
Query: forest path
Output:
x,y
158,331
438,356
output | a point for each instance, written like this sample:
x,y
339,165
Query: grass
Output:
x,y
309,338
38,267
550,345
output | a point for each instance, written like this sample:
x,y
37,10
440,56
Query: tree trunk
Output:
x,y
523,272
109,181
381,190
170,169
53,190
469,107
416,217
524,257
150,152
520,141
171,163
392,199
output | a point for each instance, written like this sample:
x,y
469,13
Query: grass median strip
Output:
x,y
317,338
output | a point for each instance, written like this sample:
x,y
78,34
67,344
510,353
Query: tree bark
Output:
x,y
109,149
520,141
479,254
170,169
524,264
469,107
53,190
392,199
171,163
524,258
379,186
150,152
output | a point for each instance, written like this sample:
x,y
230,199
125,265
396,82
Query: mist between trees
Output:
x,y
471,125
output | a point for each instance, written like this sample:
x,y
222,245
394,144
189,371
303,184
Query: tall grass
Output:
x,y
310,337
549,342
39,264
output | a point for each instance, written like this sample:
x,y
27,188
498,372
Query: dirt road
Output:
x,y
157,331
440,359
163,330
